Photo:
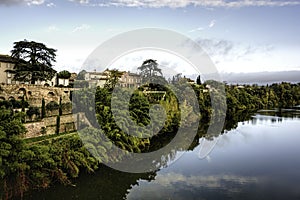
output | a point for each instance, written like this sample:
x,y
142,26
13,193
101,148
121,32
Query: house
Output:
x,y
96,78
130,80
6,62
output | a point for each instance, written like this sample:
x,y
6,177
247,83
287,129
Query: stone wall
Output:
x,y
34,93
67,124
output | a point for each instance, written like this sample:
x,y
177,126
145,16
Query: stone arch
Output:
x,y
11,98
20,97
46,85
22,91
2,98
51,94
29,93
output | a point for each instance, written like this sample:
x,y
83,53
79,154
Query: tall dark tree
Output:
x,y
198,81
150,68
43,114
113,78
33,61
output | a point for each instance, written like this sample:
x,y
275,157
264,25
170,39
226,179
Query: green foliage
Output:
x,y
64,74
12,103
33,111
33,61
52,105
81,75
57,124
150,68
43,114
60,107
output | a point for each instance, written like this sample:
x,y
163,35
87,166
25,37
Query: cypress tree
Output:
x,y
43,115
57,124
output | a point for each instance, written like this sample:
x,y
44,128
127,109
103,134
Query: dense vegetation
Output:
x,y
25,165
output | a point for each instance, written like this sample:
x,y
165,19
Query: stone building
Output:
x,y
96,78
130,80
6,62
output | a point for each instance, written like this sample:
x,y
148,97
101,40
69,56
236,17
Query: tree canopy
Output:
x,y
64,74
33,61
150,68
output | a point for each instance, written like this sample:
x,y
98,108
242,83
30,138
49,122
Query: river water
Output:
x,y
259,159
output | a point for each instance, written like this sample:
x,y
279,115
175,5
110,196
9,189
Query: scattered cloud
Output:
x,y
212,23
184,3
81,1
81,28
51,5
197,29
20,2
52,28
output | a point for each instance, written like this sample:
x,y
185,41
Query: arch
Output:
x,y
46,85
29,93
51,94
20,97
2,98
22,91
11,98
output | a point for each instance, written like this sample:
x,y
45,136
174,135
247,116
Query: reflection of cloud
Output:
x,y
166,185
81,28
202,181
185,3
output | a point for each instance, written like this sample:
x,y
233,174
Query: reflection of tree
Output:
x,y
106,183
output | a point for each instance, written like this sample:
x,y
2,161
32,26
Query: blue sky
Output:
x,y
239,36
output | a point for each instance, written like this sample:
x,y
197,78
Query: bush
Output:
x,y
33,111
52,105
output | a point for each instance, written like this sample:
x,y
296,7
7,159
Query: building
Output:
x,y
130,80
127,79
6,62
96,78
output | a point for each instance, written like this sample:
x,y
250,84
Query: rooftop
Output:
x,y
6,58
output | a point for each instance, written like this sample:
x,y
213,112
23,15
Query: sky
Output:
x,y
238,35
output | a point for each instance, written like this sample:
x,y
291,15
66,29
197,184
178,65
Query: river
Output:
x,y
258,159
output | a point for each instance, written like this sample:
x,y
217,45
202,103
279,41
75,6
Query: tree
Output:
x,y
81,75
33,62
64,74
60,107
113,78
43,114
150,68
198,81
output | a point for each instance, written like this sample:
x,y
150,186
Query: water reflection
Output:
x,y
256,160
256,157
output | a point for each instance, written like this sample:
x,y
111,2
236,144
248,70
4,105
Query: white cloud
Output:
x,y
52,28
20,2
197,29
50,5
34,2
81,1
81,28
212,23
185,3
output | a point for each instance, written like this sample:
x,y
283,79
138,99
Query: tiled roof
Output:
x,y
6,58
